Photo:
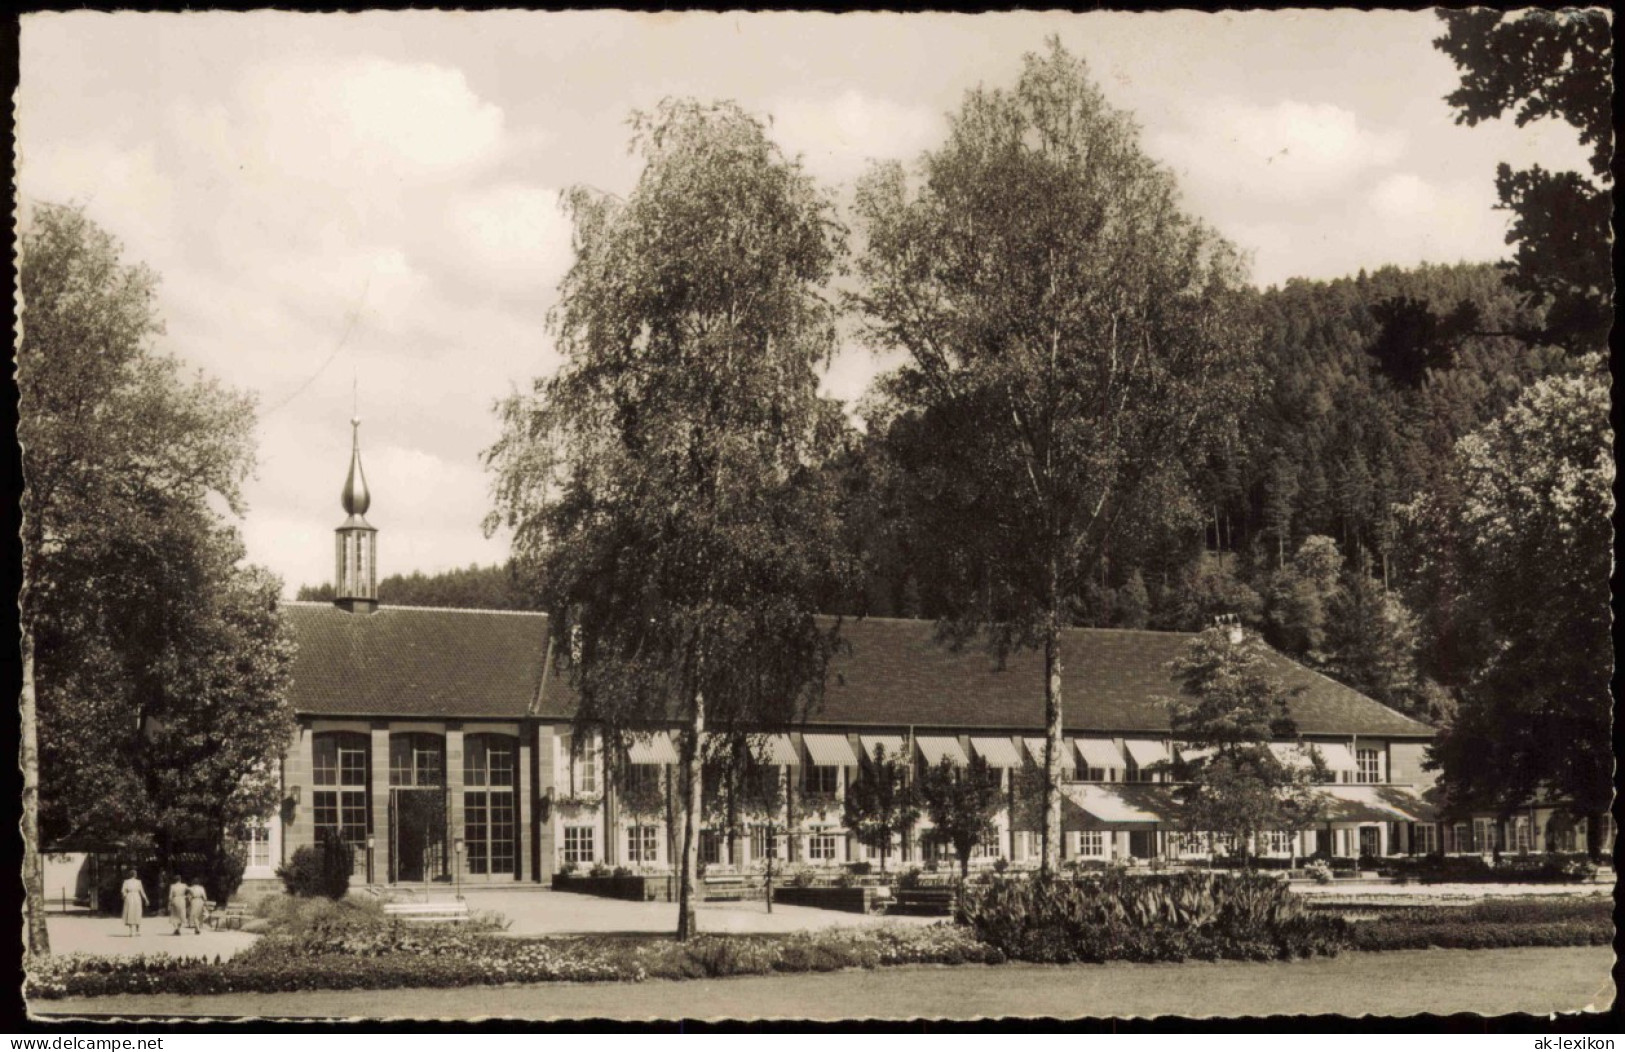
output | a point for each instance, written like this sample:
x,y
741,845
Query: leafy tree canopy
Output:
x,y
1528,523
666,487
1542,65
882,804
160,661
1073,338
962,802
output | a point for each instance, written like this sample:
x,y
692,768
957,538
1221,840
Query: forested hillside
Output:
x,y
472,588
1370,381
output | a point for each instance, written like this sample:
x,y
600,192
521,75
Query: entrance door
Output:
x,y
418,826
1142,843
1370,841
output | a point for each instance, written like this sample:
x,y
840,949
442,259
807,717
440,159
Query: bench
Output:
x,y
939,901
231,918
730,887
428,912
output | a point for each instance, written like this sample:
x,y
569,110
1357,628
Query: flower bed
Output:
x,y
1490,924
1159,918
394,958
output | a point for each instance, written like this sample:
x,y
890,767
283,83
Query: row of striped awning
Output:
x,y
1147,805
836,750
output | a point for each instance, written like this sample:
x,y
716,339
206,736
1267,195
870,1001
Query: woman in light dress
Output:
x,y
197,907
135,903
177,904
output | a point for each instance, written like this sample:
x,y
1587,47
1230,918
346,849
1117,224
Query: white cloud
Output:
x,y
1292,151
839,135
513,234
369,118
1402,219
124,185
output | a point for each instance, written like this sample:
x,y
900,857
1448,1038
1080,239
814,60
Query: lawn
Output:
x,y
1490,982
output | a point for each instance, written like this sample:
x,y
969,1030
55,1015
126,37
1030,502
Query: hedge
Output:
x,y
1474,869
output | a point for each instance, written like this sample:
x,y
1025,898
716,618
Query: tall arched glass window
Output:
x,y
341,771
417,760
490,773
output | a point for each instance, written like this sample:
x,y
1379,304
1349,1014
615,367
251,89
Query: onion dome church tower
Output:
x,y
355,585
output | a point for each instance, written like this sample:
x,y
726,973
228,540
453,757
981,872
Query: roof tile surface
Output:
x,y
415,661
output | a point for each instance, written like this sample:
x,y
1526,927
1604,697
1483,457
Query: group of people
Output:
x,y
188,904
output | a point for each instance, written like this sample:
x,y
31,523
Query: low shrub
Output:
x,y
1243,916
323,870
1319,871
1552,868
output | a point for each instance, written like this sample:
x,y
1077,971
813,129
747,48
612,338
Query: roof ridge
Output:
x,y
1362,695
931,621
430,609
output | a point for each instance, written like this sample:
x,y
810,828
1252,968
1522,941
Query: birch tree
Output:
x,y
1071,337
665,486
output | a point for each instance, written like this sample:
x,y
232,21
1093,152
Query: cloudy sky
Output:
x,y
370,201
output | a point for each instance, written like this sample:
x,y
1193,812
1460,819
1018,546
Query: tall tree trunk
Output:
x,y
1594,824
1050,861
687,889
39,939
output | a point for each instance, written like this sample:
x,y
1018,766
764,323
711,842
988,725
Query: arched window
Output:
x,y
417,760
490,772
341,771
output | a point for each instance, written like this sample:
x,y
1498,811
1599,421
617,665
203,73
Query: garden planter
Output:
x,y
630,887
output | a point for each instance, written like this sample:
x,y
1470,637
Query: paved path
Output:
x,y
107,935
564,912
1488,982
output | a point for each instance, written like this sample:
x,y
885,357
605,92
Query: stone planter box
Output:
x,y
847,900
633,888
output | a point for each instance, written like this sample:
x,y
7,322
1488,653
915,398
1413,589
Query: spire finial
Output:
x,y
356,499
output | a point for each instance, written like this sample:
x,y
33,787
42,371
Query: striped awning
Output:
x,y
657,747
892,743
1145,752
1338,757
775,749
779,749
997,752
1101,806
1035,749
829,750
1371,803
1099,752
935,750
1297,754
1192,753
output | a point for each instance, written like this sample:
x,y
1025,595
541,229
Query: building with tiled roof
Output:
x,y
440,743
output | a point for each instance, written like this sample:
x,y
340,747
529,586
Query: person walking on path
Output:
x,y
135,903
177,903
197,904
